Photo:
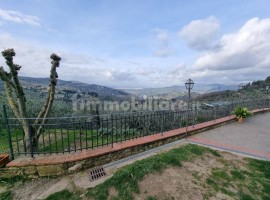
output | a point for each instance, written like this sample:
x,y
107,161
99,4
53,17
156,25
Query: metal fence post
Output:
x,y
8,132
215,113
31,141
163,122
112,129
192,110
187,120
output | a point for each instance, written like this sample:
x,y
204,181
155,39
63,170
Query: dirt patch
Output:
x,y
173,183
112,193
3,189
232,160
203,164
186,182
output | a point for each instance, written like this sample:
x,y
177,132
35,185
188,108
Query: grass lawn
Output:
x,y
190,171
64,195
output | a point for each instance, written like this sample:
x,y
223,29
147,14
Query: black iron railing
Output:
x,y
71,134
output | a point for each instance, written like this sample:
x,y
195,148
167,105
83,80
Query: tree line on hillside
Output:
x,y
258,84
251,90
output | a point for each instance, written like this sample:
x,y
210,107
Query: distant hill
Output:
x,y
71,85
155,91
180,90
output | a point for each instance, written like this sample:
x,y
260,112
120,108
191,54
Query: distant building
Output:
x,y
213,105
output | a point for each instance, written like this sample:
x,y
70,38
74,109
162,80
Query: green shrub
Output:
x,y
241,112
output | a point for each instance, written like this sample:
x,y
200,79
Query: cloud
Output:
x,y
163,52
144,71
35,62
34,59
164,48
18,17
201,34
178,72
123,76
247,48
178,69
242,56
162,35
229,77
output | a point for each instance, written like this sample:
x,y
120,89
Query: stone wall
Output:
x,y
71,167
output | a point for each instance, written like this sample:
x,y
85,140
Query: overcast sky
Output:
x,y
140,43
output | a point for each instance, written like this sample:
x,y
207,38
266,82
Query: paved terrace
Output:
x,y
250,138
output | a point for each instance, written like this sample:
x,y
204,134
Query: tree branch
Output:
x,y
8,55
6,77
12,101
42,116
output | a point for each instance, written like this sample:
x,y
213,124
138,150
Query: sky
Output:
x,y
140,43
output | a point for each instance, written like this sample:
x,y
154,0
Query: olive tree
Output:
x,y
17,100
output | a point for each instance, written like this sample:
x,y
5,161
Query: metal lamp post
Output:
x,y
189,85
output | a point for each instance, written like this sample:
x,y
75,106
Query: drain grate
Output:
x,y
97,173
